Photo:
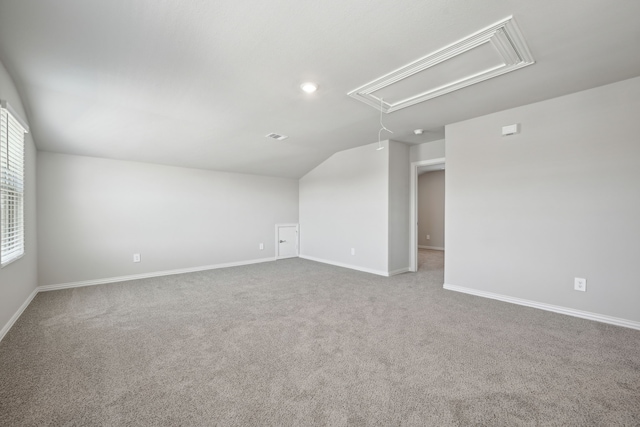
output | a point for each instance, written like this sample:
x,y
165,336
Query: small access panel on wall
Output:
x,y
286,241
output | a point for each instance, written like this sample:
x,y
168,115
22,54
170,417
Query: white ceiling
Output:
x,y
199,83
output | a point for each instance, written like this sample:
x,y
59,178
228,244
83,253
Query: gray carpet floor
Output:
x,y
298,343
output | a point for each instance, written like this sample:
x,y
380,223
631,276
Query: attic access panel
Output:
x,y
493,51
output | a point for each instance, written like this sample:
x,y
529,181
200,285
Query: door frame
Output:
x,y
297,240
413,209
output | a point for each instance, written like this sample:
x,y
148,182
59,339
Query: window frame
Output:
x,y
9,114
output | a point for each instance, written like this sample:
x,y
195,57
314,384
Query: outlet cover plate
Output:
x,y
580,284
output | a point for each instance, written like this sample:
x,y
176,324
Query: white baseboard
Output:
x,y
56,287
17,314
46,288
398,271
352,267
435,248
548,307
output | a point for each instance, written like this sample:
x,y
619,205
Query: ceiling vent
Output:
x,y
490,52
276,136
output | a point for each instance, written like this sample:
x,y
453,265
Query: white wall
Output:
x,y
427,151
399,175
94,214
344,204
19,279
431,209
528,213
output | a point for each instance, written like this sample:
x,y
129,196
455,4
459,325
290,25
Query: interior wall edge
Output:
x,y
344,265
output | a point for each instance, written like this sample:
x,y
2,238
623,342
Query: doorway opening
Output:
x,y
423,166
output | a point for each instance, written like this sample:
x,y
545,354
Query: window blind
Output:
x,y
11,185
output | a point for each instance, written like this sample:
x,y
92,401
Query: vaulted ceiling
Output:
x,y
200,83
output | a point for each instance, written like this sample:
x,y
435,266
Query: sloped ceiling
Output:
x,y
199,83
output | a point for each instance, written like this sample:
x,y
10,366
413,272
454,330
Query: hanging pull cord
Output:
x,y
383,127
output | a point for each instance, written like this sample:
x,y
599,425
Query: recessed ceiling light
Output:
x,y
309,87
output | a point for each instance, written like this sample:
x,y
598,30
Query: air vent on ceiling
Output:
x,y
276,136
490,52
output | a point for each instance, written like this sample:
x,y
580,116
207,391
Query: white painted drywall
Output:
x,y
343,205
20,278
428,151
399,175
431,209
94,214
526,214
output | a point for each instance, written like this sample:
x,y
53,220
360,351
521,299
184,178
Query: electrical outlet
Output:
x,y
136,257
428,237
353,251
580,284
261,247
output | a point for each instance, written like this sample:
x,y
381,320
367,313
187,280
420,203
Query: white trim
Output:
x,y
435,248
297,240
413,209
56,287
548,307
46,288
340,264
5,104
398,271
18,313
12,260
504,36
